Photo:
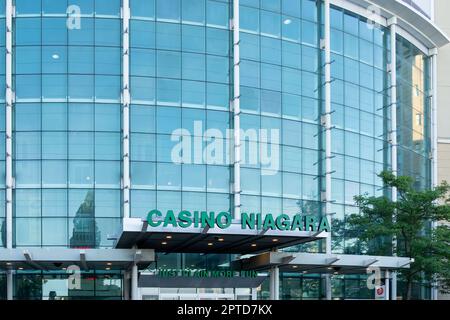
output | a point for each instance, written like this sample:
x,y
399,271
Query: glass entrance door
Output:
x,y
216,296
193,294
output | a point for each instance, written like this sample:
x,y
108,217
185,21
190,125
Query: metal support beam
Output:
x,y
327,124
274,283
370,262
126,100
236,105
434,139
31,262
126,285
134,282
9,284
393,132
9,106
386,285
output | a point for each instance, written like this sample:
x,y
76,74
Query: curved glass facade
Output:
x,y
68,119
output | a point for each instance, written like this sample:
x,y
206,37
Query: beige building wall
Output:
x,y
442,19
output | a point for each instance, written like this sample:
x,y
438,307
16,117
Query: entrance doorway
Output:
x,y
197,294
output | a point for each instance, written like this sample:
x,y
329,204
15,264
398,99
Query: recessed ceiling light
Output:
x,y
108,268
330,268
295,267
221,239
210,244
8,263
163,243
168,237
20,268
287,21
275,240
253,244
305,271
55,56
109,264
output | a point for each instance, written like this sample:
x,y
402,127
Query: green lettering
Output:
x,y
310,223
282,222
170,219
248,220
223,216
150,219
207,219
185,219
297,223
269,223
324,225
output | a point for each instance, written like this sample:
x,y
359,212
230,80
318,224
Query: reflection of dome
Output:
x,y
85,233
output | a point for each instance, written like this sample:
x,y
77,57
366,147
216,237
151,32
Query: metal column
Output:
x,y
434,139
274,283
126,107
126,285
134,283
236,110
326,123
9,106
393,132
386,285
9,284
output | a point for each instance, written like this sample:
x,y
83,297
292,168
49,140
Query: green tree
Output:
x,y
409,221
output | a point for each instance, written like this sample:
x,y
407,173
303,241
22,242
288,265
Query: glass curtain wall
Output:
x,y
280,91
414,137
67,123
413,83
180,79
360,98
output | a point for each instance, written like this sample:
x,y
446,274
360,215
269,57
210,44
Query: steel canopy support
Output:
x,y
274,283
386,285
126,285
9,284
134,282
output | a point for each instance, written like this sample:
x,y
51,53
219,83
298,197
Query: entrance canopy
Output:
x,y
233,239
87,259
320,263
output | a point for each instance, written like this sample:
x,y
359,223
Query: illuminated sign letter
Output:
x,y
220,217
185,219
310,223
248,220
324,225
150,219
297,223
282,222
170,219
269,223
